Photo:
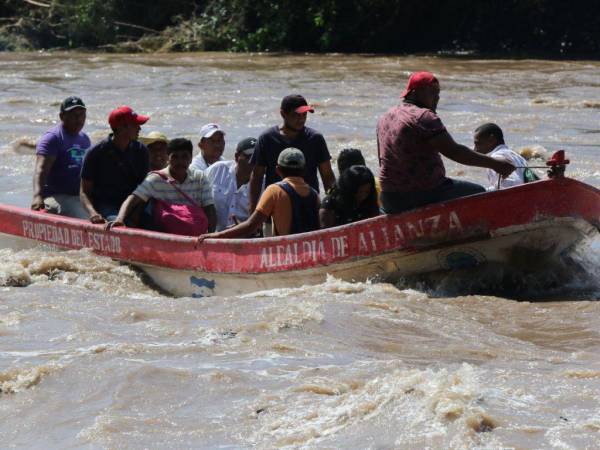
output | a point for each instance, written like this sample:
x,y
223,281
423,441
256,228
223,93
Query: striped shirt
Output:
x,y
196,185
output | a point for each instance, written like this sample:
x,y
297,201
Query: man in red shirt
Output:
x,y
411,139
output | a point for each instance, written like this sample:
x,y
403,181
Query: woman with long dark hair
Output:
x,y
353,198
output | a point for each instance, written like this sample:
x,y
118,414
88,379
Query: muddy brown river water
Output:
x,y
92,357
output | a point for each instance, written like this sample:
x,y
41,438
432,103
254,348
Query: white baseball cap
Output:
x,y
209,129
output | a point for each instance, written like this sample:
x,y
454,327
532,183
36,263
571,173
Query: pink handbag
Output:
x,y
186,220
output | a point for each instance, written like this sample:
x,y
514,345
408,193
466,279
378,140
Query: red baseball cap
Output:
x,y
418,80
296,103
305,108
124,115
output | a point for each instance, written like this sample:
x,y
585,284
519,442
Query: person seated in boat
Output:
x,y
353,198
411,139
212,146
292,133
229,181
59,155
114,167
349,157
177,184
156,142
292,203
489,140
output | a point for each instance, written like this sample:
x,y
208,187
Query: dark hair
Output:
x,y
350,181
490,129
291,102
349,157
289,172
180,144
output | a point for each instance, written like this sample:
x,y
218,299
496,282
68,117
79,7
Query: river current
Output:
x,y
92,357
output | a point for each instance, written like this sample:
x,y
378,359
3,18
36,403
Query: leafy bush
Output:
x,y
514,27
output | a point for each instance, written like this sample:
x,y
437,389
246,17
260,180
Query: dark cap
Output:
x,y
246,146
295,103
291,158
70,103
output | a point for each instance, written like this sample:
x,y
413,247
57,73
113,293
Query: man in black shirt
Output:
x,y
114,167
292,133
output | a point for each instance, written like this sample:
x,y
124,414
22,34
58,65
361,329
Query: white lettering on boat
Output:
x,y
70,237
380,239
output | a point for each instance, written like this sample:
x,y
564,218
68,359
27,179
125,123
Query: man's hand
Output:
x,y
37,203
504,168
202,237
113,224
97,218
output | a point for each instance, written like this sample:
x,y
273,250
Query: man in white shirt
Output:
x,y
489,140
211,144
229,181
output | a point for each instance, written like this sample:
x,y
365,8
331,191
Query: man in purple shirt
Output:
x,y
411,139
60,154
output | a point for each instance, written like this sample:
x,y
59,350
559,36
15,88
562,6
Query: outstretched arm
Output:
x,y
444,143
244,229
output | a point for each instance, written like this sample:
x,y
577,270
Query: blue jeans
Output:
x,y
397,202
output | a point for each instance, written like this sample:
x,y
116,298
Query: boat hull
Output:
x,y
517,227
520,248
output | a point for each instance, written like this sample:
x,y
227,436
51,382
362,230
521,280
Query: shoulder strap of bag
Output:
x,y
167,180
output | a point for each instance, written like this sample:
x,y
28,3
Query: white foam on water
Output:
x,y
332,286
587,256
11,319
19,379
77,268
422,401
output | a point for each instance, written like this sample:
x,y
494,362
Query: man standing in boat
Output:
x,y
292,204
58,163
489,140
411,139
292,133
114,167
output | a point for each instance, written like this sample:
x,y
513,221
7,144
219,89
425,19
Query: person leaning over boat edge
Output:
x,y
229,181
488,139
175,184
211,145
114,167
292,133
292,203
59,155
410,141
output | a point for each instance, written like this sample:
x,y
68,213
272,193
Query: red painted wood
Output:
x,y
466,218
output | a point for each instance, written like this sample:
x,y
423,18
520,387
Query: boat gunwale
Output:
x,y
221,248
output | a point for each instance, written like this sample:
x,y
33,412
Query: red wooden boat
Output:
x,y
544,219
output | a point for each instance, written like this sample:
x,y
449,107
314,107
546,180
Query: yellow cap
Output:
x,y
154,136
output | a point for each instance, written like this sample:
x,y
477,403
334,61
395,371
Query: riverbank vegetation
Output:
x,y
551,28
